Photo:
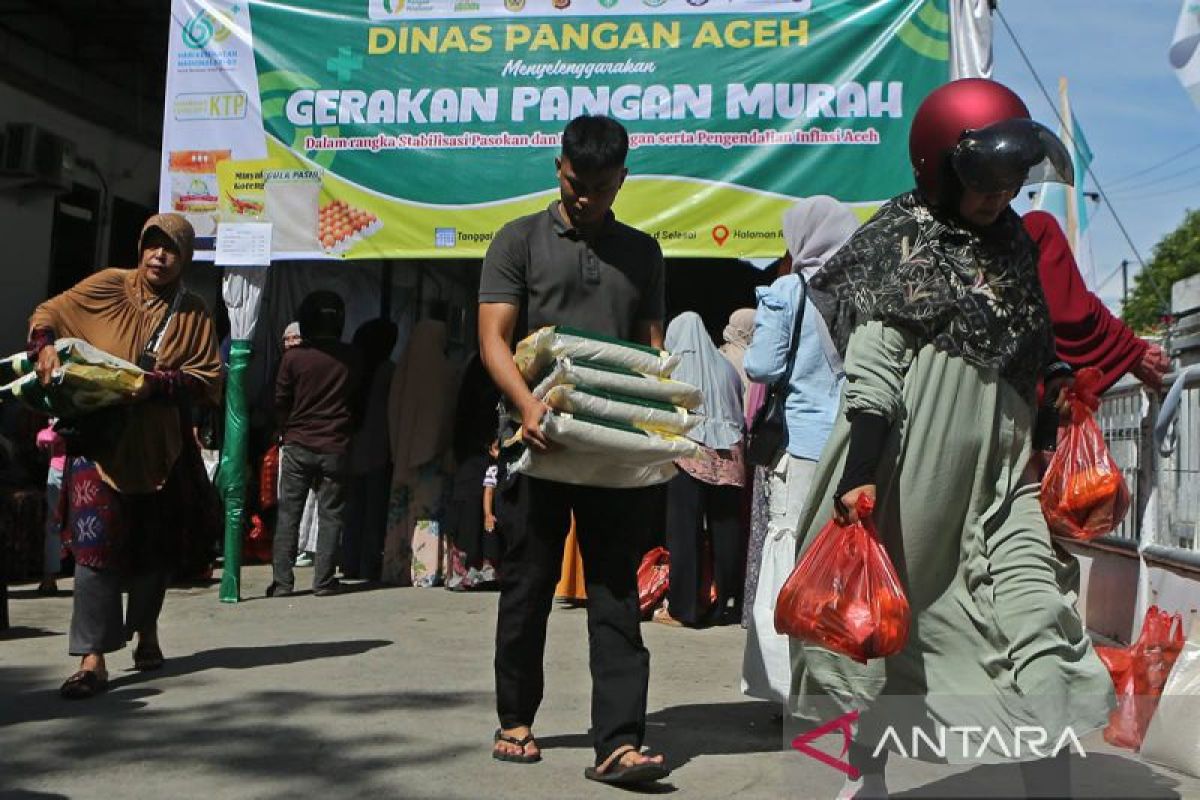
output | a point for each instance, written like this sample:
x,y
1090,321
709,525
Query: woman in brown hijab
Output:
x,y
134,482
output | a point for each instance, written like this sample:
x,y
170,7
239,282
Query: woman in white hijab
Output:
x,y
707,491
814,228
737,336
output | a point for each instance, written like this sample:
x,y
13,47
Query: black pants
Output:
x,y
96,620
301,469
690,504
608,525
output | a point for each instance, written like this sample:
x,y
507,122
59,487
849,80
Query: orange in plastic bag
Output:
x,y
1084,494
844,594
1139,673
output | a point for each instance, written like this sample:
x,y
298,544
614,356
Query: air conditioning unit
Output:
x,y
36,154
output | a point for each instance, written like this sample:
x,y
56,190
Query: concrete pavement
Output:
x,y
388,693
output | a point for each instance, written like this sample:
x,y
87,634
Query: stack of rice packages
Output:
x,y
89,379
617,419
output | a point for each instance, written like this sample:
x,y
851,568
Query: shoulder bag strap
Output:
x,y
152,346
797,323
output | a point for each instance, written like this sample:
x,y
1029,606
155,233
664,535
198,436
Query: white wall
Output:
x,y
1108,583
1111,586
26,216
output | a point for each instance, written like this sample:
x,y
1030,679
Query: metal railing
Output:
x,y
1164,484
1122,416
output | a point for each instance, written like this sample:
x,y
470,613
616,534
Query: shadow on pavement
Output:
x,y
683,733
715,729
249,658
23,703
32,593
312,741
26,632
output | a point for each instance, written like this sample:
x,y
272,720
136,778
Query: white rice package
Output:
x,y
89,379
620,442
646,415
586,469
576,372
538,350
70,351
595,452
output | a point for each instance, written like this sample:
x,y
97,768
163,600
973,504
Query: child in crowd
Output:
x,y
49,441
471,522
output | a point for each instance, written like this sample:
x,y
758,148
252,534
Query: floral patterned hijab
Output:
x,y
972,294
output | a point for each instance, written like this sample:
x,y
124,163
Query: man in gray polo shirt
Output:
x,y
573,264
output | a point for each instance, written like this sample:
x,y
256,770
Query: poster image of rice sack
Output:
x,y
307,219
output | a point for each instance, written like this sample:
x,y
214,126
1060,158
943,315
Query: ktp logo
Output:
x,y
845,724
207,26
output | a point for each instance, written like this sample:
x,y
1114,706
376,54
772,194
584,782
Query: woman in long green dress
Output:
x,y
936,306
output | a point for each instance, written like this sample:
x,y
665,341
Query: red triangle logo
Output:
x,y
844,724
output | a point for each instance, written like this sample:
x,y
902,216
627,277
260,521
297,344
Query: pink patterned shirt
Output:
x,y
717,467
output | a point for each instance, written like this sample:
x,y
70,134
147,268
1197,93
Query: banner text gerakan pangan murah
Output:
x,y
416,128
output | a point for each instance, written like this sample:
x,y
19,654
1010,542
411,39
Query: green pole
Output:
x,y
232,478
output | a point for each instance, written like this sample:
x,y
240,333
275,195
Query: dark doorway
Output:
x,y
712,287
127,220
73,242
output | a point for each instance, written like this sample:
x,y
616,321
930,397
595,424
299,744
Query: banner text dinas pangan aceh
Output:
x,y
416,128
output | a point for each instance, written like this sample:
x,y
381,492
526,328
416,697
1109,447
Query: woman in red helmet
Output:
x,y
936,307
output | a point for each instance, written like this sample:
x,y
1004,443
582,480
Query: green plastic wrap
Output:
x,y
232,472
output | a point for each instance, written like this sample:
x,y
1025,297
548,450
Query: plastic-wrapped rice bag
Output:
x,y
539,349
577,372
623,442
89,379
647,415
585,469
595,452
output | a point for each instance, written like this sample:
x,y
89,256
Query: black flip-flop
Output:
x,y
618,775
524,758
82,685
147,660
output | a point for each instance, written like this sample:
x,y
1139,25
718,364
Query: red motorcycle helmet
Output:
x,y
978,133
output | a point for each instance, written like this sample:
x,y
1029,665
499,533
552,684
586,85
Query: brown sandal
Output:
x,y
83,684
663,617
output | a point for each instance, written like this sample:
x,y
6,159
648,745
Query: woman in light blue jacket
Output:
x,y
814,229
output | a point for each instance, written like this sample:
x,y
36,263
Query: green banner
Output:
x,y
416,128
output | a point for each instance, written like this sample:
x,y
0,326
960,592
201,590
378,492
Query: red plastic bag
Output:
x,y
1139,673
268,479
1084,494
653,578
257,546
845,595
